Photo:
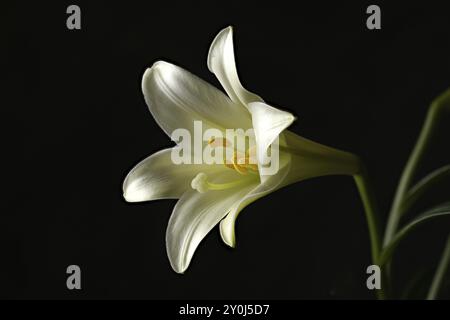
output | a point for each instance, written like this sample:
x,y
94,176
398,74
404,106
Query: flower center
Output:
x,y
239,162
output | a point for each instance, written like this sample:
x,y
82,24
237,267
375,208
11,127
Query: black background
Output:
x,y
79,124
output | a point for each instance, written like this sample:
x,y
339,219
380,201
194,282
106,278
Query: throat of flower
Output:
x,y
240,163
201,183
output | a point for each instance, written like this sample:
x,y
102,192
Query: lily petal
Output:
x,y
268,185
268,123
194,215
176,98
221,62
157,177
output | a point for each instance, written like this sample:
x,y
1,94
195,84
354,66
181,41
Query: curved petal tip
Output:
x,y
221,62
227,234
221,36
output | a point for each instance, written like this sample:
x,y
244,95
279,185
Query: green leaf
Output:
x,y
439,106
440,272
435,212
423,185
442,102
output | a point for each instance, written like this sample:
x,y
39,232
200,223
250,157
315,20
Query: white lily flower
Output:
x,y
209,194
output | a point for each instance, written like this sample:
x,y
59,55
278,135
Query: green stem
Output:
x,y
370,208
372,216
419,150
440,272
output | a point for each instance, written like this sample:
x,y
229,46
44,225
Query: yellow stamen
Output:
x,y
246,163
238,167
242,167
229,165
219,142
